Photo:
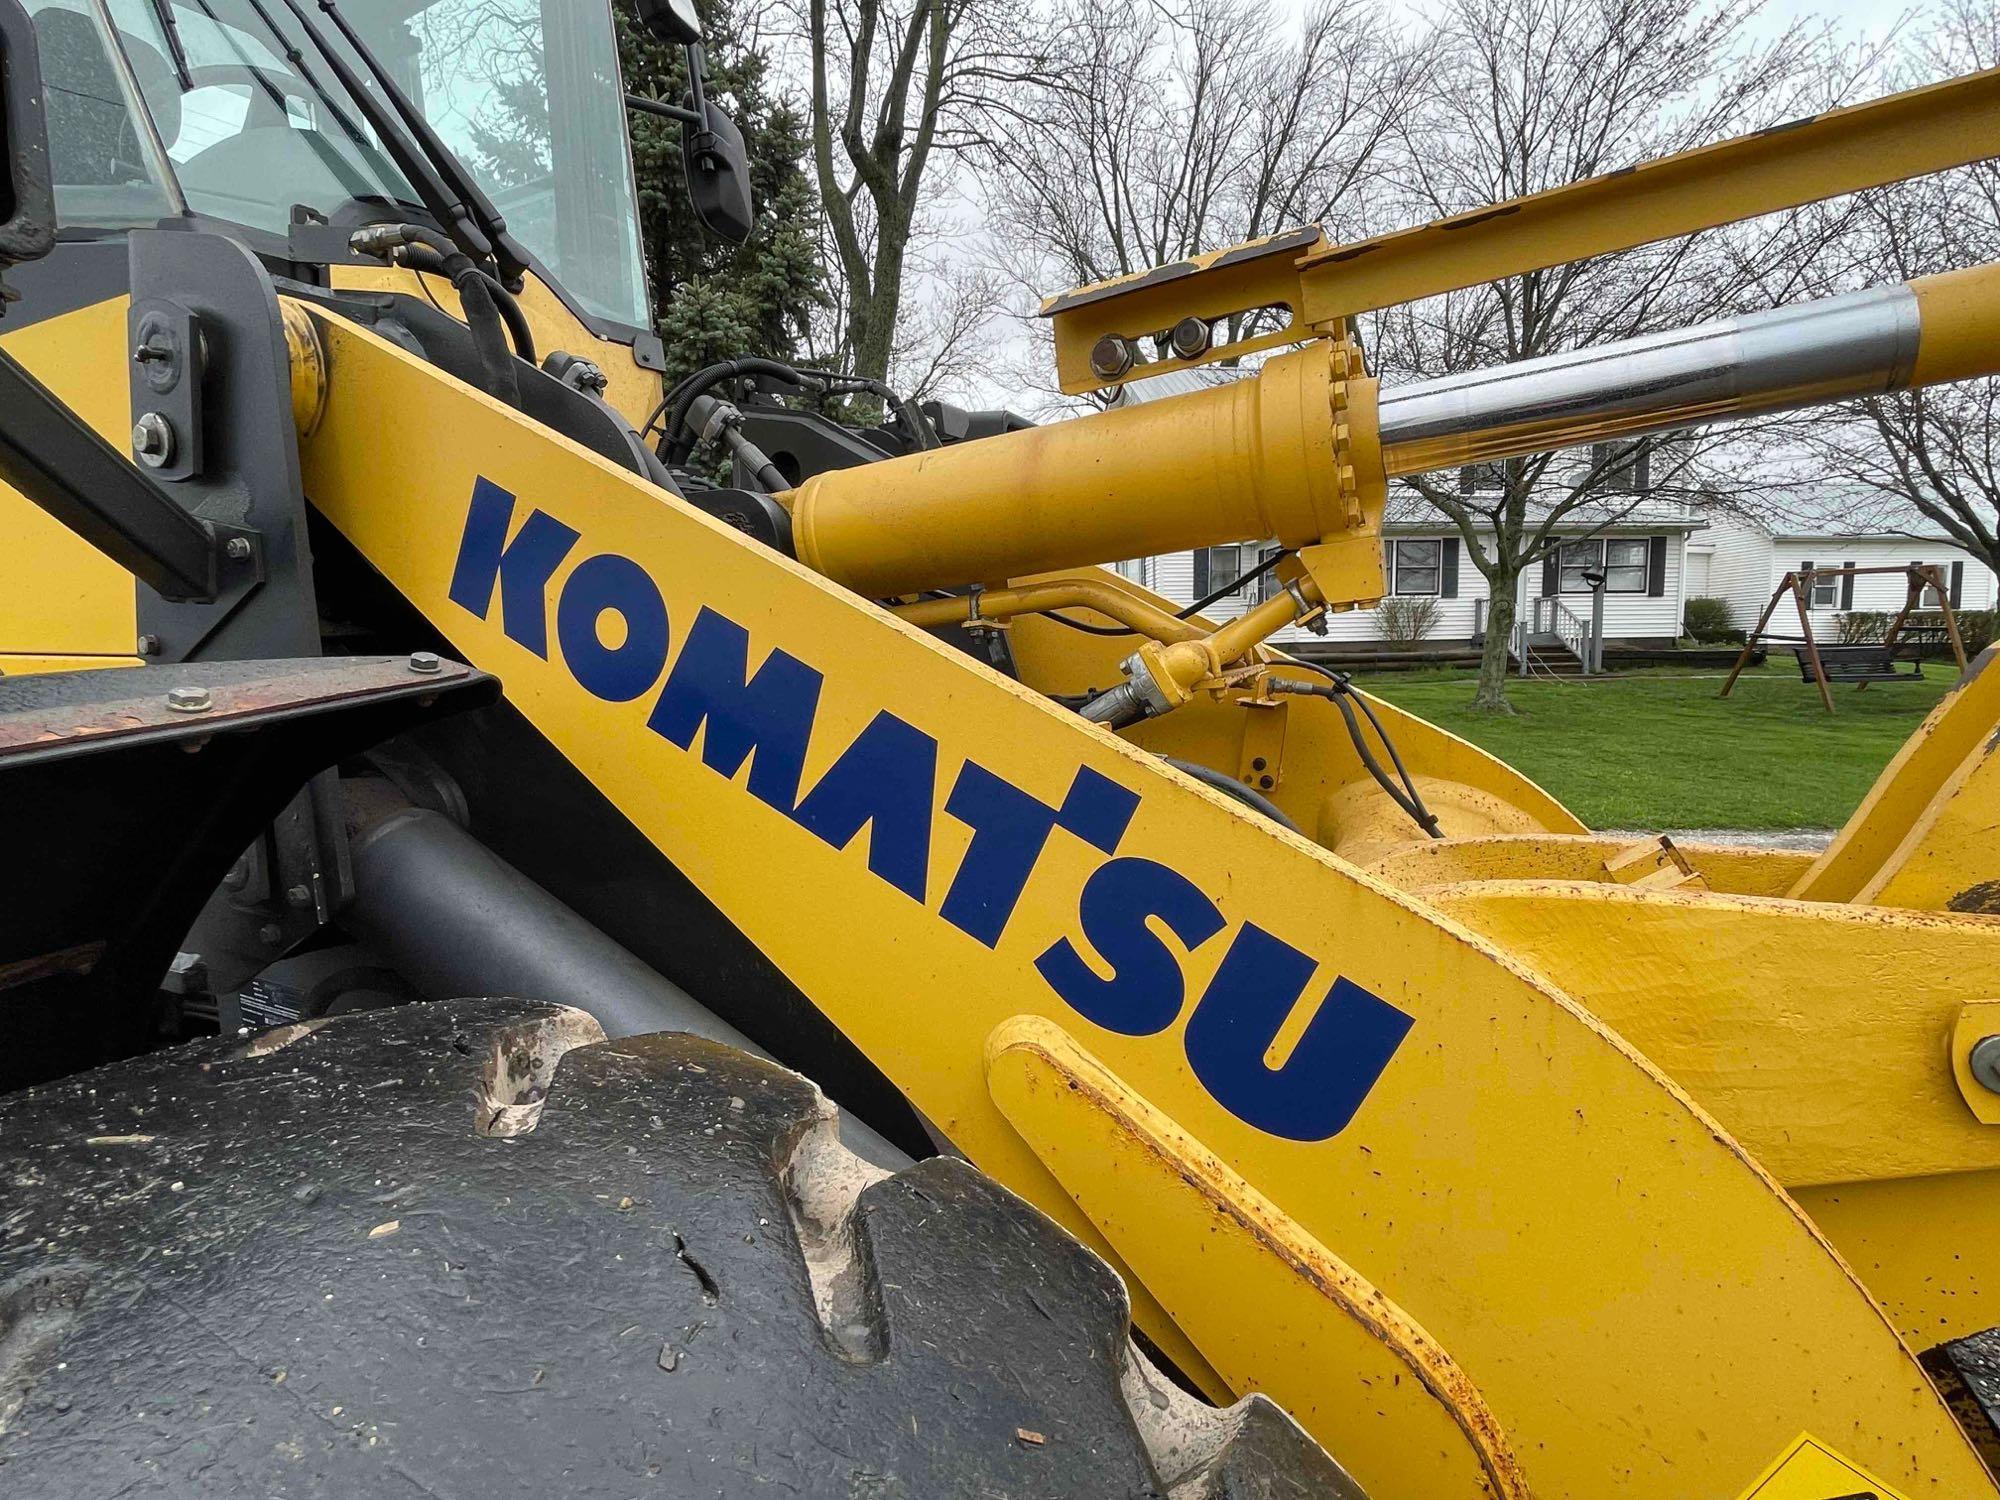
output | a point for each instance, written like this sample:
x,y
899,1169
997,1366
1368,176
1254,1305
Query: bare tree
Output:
x,y
895,87
1158,128
1524,95
1895,462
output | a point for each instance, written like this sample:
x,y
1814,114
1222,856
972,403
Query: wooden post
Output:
x,y
1913,588
1950,618
1750,640
1805,626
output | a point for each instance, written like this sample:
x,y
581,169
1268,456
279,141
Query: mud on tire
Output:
x,y
472,1250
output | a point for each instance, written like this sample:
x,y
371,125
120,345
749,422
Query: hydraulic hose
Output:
x,y
475,290
1338,691
422,257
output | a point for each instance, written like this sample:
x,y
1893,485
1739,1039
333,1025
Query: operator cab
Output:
x,y
244,112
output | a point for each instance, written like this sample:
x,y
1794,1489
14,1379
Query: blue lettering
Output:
x,y
770,714
620,673
1346,1045
1146,988
1010,829
887,778
523,567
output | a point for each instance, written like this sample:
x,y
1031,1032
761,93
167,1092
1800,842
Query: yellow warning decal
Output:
x,y
1809,1470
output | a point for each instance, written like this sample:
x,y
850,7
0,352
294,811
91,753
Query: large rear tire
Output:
x,y
470,1249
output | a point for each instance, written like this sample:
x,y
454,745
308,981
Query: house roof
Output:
x,y
1839,510
1407,512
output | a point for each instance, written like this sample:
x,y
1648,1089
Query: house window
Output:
x,y
1416,567
1269,584
1476,477
1825,589
1233,561
1621,559
1620,470
1931,598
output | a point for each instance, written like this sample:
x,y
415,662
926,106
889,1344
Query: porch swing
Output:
x,y
1862,663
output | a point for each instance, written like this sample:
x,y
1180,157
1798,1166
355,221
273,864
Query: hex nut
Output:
x,y
1190,338
425,661
153,440
189,700
1110,357
1984,1061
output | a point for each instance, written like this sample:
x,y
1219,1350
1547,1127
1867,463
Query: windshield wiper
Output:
x,y
407,154
170,31
471,198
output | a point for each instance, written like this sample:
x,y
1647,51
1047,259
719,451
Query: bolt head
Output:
x,y
270,934
1110,357
425,661
149,645
299,895
237,547
153,440
1985,1062
189,700
1190,338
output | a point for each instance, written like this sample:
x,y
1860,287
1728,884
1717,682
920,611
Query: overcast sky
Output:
x,y
995,382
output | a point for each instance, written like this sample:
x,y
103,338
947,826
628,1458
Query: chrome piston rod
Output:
x,y
1865,343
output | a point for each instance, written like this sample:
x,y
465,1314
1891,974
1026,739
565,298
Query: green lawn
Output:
x,y
1661,750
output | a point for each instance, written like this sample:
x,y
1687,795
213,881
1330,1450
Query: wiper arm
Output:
x,y
407,154
471,199
170,29
304,69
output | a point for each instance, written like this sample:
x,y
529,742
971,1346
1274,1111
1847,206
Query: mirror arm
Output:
x,y
661,108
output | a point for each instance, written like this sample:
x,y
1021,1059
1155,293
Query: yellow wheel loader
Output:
x,y
526,968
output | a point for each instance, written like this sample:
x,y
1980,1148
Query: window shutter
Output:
x,y
1550,579
1448,574
1201,579
1957,584
1847,588
1656,567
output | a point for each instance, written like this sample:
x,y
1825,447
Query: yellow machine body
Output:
x,y
1527,1162
1451,1127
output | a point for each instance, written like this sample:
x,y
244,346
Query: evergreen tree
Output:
x,y
713,300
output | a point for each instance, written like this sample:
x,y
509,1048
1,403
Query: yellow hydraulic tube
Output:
x,y
1036,598
1252,460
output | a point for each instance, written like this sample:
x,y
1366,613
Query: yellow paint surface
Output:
x,y
1524,1185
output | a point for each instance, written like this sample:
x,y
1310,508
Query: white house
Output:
x,y
1642,558
1743,561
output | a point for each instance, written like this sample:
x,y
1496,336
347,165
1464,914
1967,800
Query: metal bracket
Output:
x,y
1093,323
1237,1273
1260,761
1654,864
166,376
216,375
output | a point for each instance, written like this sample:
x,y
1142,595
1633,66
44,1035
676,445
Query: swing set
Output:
x,y
1863,663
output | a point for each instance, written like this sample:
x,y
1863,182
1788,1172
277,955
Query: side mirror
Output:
x,y
718,172
671,21
27,193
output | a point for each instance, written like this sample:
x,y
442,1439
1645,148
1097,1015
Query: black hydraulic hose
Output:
x,y
672,449
482,317
1230,787
422,257
1339,692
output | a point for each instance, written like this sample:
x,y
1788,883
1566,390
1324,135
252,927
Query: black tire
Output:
x,y
402,1254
